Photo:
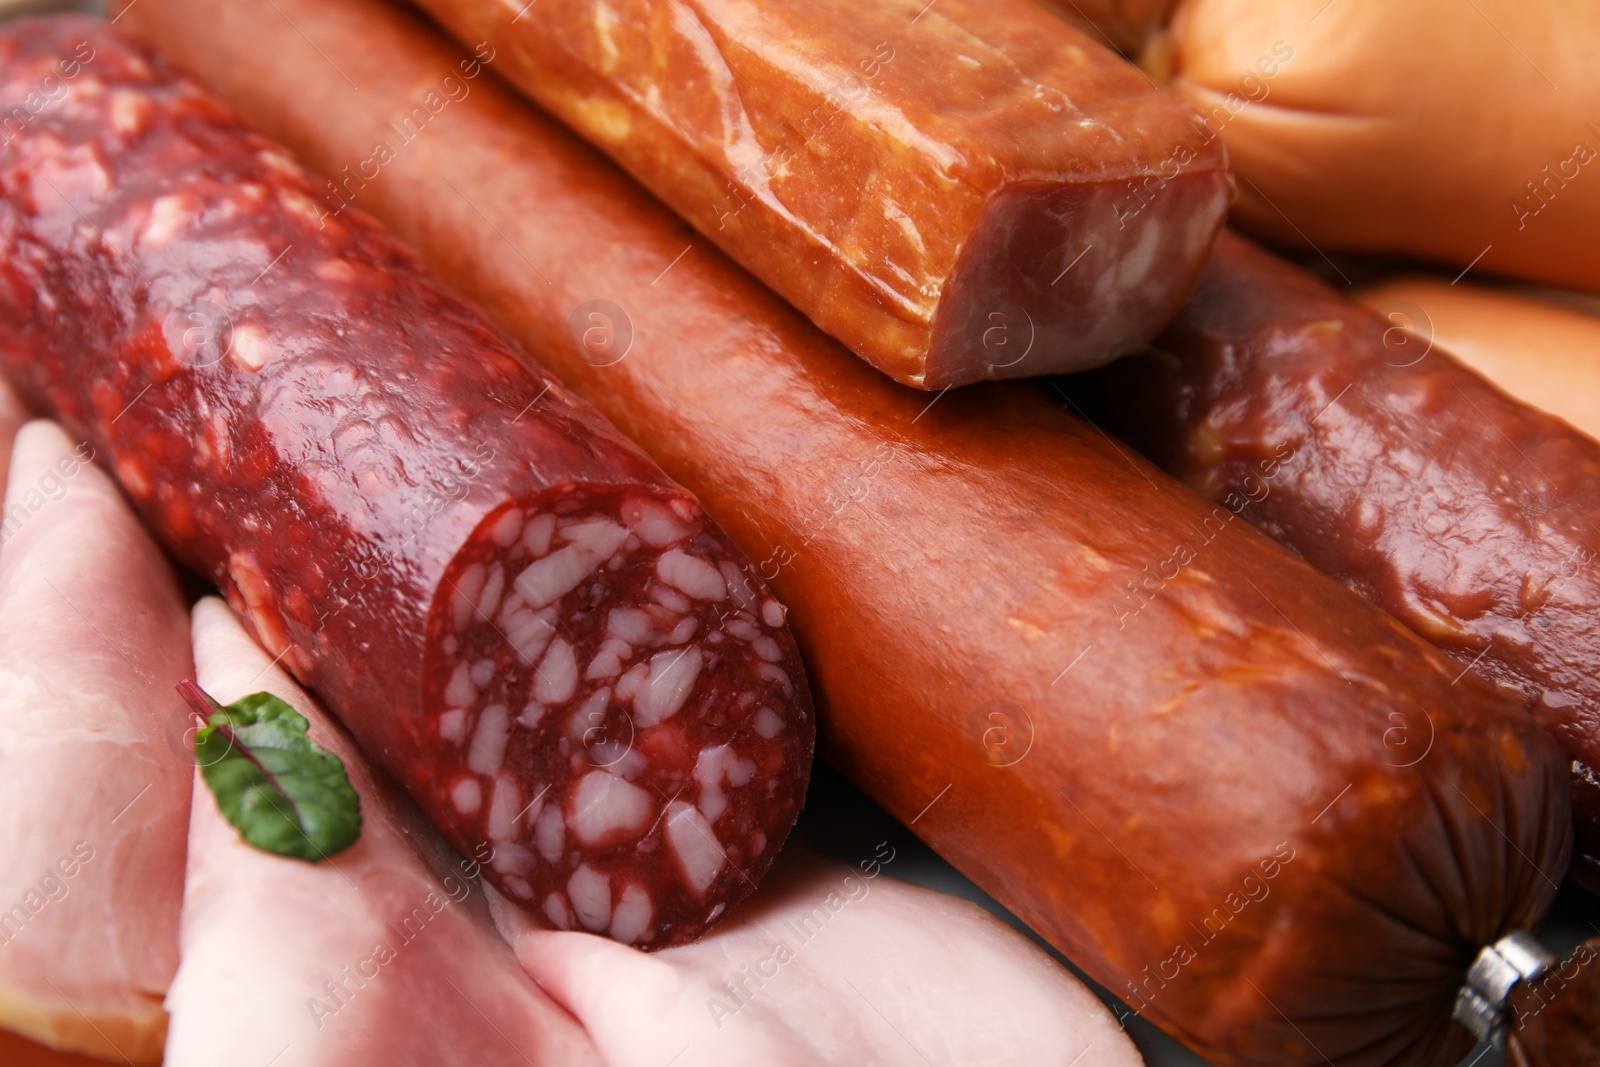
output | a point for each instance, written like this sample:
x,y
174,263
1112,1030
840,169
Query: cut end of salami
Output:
x,y
511,607
1060,277
617,707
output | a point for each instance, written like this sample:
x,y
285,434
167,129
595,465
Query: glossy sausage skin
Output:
x,y
952,253
1207,790
509,604
1469,516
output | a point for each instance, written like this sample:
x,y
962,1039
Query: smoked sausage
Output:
x,y
1248,803
509,604
958,191
1472,518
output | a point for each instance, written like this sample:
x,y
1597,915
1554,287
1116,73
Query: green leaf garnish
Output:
x,y
279,789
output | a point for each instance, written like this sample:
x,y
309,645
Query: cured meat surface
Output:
x,y
382,955
1214,811
1019,199
94,798
1472,518
513,609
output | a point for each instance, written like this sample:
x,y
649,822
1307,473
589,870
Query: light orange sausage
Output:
x,y
1540,352
1431,128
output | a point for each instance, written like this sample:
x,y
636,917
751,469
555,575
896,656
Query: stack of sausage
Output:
x,y
1287,758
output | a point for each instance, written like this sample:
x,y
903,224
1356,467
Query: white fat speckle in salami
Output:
x,y
767,723
713,802
556,910
536,535
529,632
490,600
460,691
557,677
738,585
684,630
553,577
302,205
607,810
466,795
669,597
631,680
691,574
631,921
590,893
510,605
453,725
758,843
715,765
774,673
742,628
655,525
504,808
532,714
249,345
482,672
168,215
517,887
631,764
772,613
599,537
468,587
694,845
507,528
488,751
607,662
767,649
133,477
589,715
550,836
630,625
672,677
129,110
513,859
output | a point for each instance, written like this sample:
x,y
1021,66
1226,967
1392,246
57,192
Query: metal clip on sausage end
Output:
x,y
1481,1003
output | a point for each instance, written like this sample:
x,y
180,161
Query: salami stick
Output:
x,y
1244,800
511,607
962,191
1469,516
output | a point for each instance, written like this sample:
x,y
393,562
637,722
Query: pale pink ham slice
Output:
x,y
12,415
827,964
382,955
93,800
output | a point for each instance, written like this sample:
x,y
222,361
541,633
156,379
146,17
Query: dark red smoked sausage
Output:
x,y
1234,793
1468,515
510,605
